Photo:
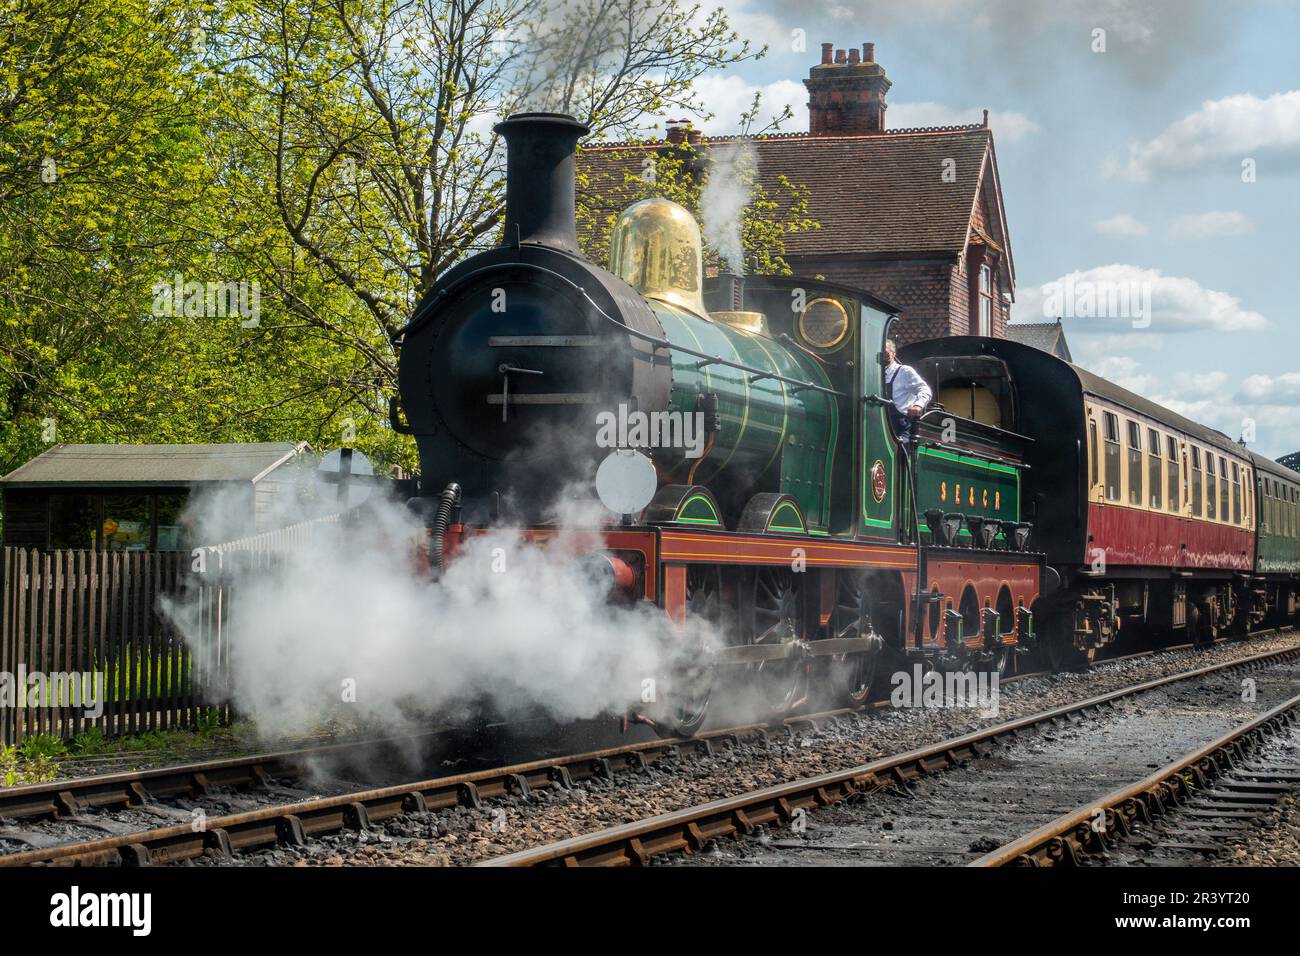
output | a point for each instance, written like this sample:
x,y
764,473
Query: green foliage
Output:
x,y
88,743
681,174
41,745
337,157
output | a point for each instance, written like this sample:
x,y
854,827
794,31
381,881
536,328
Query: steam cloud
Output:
x,y
726,193
518,626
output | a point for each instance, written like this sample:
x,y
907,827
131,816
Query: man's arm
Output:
x,y
922,390
924,395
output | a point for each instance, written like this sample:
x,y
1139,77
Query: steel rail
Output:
x,y
1071,836
690,829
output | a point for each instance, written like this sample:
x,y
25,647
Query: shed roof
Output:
x,y
151,465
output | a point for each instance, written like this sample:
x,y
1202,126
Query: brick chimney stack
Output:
x,y
846,95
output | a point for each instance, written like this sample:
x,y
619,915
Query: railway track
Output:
x,y
937,817
295,822
1197,802
69,797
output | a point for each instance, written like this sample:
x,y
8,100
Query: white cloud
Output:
x,y
1211,225
1123,370
1122,225
1270,404
1111,297
726,96
1221,134
1281,389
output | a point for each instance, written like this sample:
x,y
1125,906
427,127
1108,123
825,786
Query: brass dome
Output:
x,y
655,245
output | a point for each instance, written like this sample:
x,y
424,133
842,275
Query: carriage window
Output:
x,y
1211,488
1236,494
1196,482
1092,450
1224,493
1248,493
1112,457
1171,455
1134,463
1155,477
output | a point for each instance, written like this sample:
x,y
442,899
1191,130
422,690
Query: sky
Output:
x,y
1144,146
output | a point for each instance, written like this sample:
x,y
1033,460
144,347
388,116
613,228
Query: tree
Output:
x,y
752,229
368,160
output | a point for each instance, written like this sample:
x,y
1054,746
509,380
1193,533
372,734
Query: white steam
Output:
x,y
346,628
726,193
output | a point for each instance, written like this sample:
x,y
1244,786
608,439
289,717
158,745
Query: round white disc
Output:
x,y
626,481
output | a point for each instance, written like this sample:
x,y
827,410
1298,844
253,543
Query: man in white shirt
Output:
x,y
907,391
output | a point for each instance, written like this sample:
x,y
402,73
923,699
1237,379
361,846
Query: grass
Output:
x,y
43,757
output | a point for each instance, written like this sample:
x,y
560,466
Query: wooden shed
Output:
x,y
134,497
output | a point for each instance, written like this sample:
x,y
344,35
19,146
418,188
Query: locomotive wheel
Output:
x,y
689,706
1006,661
773,619
851,676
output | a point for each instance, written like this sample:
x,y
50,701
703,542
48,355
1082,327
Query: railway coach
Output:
x,y
1152,523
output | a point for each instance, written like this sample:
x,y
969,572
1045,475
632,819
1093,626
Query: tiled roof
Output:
x,y
1041,335
89,465
878,193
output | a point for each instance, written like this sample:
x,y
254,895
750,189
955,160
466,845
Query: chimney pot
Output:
x,y
694,136
850,103
828,52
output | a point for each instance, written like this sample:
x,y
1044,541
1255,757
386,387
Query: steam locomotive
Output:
x,y
813,544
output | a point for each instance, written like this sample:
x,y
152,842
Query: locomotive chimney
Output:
x,y
540,191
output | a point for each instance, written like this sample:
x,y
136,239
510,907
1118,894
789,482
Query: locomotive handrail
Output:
x,y
657,341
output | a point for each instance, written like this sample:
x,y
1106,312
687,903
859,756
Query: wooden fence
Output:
x,y
84,641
